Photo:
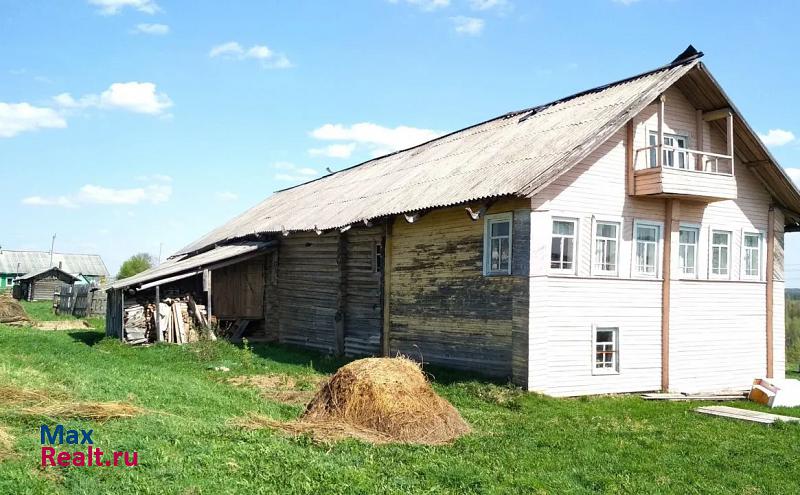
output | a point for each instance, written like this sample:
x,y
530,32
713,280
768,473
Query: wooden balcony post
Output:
x,y
700,137
660,149
630,159
729,126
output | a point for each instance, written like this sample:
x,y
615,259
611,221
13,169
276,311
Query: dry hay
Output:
x,y
6,444
10,395
280,388
96,411
11,311
62,325
378,400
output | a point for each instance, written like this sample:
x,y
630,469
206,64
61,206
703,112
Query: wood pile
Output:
x,y
181,321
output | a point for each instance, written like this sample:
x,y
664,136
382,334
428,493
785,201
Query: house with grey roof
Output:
x,y
625,238
15,264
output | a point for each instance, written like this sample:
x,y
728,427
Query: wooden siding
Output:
x,y
717,335
363,304
308,279
238,290
690,184
574,307
563,308
443,309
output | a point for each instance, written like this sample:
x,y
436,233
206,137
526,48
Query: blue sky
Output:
x,y
138,125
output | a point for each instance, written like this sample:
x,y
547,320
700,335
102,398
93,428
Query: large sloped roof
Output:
x,y
518,153
33,261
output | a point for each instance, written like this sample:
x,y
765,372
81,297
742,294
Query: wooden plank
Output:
x,y
387,288
630,159
716,114
746,415
769,290
669,205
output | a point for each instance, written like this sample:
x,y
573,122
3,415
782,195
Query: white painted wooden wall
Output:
x,y
717,327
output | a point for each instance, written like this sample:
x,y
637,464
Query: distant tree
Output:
x,y
135,264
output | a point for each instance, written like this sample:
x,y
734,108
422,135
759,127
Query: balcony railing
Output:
x,y
683,159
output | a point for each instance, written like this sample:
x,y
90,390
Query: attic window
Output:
x,y
377,258
497,244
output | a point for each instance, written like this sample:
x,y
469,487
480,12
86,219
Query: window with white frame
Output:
x,y
497,244
606,242
687,250
672,156
562,250
751,255
720,253
606,349
646,237
9,281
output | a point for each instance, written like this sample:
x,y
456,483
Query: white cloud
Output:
x,y
113,7
138,97
489,4
426,5
380,140
794,174
154,29
226,196
777,137
21,117
235,51
334,150
99,195
469,26
293,173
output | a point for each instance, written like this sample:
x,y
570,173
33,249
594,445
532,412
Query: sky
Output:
x,y
139,125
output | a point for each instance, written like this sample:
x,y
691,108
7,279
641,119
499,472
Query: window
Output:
x,y
687,250
751,254
377,258
497,248
606,241
606,346
647,236
720,253
671,157
562,250
9,281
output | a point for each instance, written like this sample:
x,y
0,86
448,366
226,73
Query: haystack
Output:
x,y
11,311
380,400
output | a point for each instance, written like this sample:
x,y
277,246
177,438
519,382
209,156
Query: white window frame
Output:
x,y
576,230
489,220
697,229
667,153
596,270
635,273
711,274
742,269
615,370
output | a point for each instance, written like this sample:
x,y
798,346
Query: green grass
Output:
x,y
43,311
523,443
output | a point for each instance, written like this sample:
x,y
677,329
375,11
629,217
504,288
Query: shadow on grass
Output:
x,y
89,337
326,364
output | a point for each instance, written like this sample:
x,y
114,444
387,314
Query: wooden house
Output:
x,y
14,264
626,238
42,284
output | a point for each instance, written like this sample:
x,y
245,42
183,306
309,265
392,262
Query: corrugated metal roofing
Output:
x,y
31,261
517,153
36,273
181,264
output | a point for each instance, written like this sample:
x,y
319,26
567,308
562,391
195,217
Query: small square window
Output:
x,y
606,241
647,237
606,350
687,251
751,256
497,244
720,254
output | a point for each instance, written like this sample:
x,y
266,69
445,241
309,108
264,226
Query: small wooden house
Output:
x,y
14,264
42,284
626,238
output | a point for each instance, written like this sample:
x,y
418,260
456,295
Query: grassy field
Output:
x,y
523,443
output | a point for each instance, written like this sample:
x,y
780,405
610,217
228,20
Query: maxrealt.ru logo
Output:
x,y
91,457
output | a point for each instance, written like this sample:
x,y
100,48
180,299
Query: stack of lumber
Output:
x,y
180,321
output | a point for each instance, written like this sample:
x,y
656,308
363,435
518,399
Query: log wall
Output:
x,y
443,310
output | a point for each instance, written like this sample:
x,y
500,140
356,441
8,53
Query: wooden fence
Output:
x,y
79,301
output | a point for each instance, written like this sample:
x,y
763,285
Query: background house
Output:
x,y
13,264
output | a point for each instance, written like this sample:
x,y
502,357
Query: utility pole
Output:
x,y
52,245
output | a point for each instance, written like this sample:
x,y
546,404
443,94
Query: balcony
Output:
x,y
662,171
